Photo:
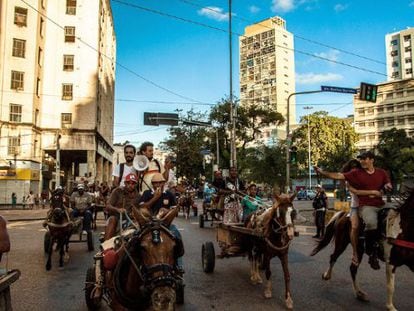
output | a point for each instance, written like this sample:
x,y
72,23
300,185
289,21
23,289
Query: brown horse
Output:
x,y
59,230
144,276
397,221
276,227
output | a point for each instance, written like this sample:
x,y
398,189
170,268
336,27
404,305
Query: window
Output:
x,y
408,60
395,64
408,48
381,123
390,122
380,109
20,16
408,71
17,78
407,38
15,113
68,62
14,145
71,7
394,42
69,34
67,91
395,74
40,56
66,119
37,87
41,28
394,53
401,121
19,47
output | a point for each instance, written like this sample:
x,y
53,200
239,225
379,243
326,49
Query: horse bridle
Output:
x,y
280,230
146,273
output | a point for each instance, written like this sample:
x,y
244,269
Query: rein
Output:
x,y
403,243
277,248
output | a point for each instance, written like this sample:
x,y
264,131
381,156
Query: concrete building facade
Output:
x,y
57,77
394,108
267,71
399,54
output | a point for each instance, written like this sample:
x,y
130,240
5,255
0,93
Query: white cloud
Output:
x,y
214,12
283,5
331,55
340,7
315,78
254,9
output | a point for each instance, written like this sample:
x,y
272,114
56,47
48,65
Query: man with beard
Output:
x,y
124,169
121,201
145,177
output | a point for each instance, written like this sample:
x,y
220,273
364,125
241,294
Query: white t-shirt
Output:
x,y
171,182
152,169
127,170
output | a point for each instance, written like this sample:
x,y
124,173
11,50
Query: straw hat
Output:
x,y
157,178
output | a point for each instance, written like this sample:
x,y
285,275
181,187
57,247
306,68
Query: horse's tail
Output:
x,y
329,233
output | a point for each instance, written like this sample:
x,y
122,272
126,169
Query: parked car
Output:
x,y
306,195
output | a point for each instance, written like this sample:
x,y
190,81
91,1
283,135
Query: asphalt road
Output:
x,y
228,288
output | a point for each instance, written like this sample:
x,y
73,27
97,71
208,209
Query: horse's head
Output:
x,y
157,246
58,216
56,201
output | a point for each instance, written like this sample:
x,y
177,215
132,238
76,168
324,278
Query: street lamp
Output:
x,y
309,147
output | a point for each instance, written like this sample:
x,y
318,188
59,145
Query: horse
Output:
x,y
276,228
397,245
60,229
145,274
186,202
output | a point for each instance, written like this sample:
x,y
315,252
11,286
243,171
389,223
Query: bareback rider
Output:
x,y
155,200
124,169
154,166
121,201
81,202
367,178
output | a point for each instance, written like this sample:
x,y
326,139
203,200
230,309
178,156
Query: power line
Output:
x,y
116,62
241,35
237,16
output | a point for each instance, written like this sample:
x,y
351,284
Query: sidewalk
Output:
x,y
23,215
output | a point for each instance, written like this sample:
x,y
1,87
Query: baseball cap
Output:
x,y
131,178
366,154
157,178
80,187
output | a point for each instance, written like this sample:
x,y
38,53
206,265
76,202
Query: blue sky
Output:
x,y
193,61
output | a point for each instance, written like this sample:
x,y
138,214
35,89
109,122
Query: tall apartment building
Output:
x,y
399,54
394,108
55,90
267,71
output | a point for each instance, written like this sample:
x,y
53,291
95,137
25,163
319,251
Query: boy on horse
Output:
x,y
367,178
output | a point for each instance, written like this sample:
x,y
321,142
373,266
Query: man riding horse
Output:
x,y
366,178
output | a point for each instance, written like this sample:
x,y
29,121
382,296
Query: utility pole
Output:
x,y
57,159
233,161
309,147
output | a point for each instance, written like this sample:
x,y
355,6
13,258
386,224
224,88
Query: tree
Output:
x,y
395,154
187,142
332,142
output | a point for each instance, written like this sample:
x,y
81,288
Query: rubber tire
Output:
x,y
179,293
47,241
208,257
92,304
201,221
89,241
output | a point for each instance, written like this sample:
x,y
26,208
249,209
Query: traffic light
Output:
x,y
293,155
368,92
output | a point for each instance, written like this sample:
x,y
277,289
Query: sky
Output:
x,y
173,55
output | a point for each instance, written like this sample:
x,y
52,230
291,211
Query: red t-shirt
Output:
x,y
361,180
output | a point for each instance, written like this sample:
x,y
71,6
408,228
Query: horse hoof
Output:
x,y
268,295
259,280
289,303
326,277
391,308
361,296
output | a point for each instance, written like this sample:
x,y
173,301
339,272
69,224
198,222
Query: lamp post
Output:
x,y
309,147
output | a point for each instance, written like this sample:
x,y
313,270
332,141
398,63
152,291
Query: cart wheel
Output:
x,y
179,293
90,241
47,241
201,221
92,303
208,257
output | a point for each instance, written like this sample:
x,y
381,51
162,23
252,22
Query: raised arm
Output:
x,y
331,175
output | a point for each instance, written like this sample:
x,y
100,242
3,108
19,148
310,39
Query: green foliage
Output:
x,y
332,142
186,141
396,154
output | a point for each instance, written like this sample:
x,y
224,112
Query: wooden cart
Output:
x,y
232,240
212,212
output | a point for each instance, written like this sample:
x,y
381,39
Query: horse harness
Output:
x,y
280,230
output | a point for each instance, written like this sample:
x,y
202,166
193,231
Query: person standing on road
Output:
x,y
14,199
126,168
367,178
30,200
320,205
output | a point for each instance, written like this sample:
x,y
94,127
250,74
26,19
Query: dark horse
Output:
x,y
59,229
397,244
145,276
276,228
